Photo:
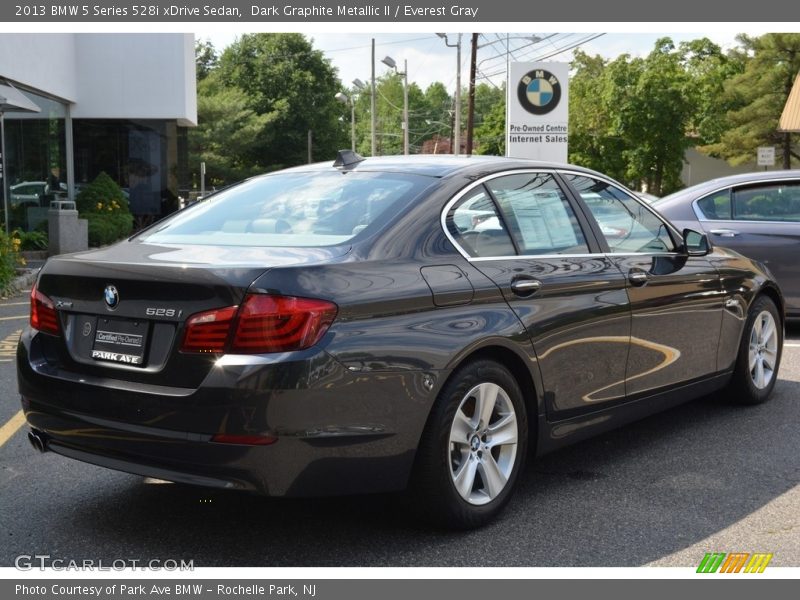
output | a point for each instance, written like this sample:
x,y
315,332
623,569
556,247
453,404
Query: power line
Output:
x,y
552,54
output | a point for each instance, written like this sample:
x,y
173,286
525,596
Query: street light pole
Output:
x,y
372,101
457,127
3,174
390,62
352,124
345,99
359,87
405,107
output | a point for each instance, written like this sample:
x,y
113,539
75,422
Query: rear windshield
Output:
x,y
291,209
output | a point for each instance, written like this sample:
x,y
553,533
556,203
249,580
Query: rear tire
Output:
x,y
759,356
473,447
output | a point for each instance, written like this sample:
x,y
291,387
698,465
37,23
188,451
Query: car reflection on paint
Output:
x,y
379,324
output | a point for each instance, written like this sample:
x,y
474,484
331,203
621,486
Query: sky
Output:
x,y
429,59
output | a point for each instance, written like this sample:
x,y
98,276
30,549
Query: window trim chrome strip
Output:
x,y
463,192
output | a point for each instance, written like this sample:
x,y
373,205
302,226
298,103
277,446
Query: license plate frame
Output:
x,y
120,341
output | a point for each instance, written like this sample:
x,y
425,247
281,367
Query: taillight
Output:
x,y
264,323
281,323
208,331
44,317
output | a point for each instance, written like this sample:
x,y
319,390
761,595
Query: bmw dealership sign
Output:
x,y
538,110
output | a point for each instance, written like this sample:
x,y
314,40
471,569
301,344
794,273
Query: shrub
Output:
x,y
105,206
9,258
32,240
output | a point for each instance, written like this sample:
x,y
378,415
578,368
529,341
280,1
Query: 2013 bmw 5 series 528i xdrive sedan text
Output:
x,y
387,323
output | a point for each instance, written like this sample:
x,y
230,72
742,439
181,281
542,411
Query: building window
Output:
x,y
142,156
35,162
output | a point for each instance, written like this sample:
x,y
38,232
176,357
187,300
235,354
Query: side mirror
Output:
x,y
695,243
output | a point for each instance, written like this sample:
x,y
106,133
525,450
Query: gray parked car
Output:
x,y
756,214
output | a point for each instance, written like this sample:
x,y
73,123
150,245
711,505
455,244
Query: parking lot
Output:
x,y
703,477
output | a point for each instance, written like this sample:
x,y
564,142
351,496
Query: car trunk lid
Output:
x,y
123,308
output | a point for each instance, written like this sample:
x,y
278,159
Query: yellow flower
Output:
x,y
99,206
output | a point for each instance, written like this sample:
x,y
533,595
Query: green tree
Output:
x,y
293,86
206,59
708,69
629,117
228,133
437,108
758,95
486,98
653,115
490,135
389,117
592,141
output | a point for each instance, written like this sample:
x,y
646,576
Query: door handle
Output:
x,y
525,287
637,277
725,232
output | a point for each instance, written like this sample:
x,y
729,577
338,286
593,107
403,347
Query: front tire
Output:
x,y
759,354
473,447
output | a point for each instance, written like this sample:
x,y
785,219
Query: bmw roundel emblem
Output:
x,y
539,92
111,296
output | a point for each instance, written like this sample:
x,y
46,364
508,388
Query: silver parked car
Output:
x,y
756,214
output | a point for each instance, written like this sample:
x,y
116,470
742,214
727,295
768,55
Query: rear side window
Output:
x,y
477,227
301,209
774,202
716,206
538,214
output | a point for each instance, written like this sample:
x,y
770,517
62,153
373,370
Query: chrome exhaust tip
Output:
x,y
38,441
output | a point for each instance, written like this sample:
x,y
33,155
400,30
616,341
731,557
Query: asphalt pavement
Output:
x,y
703,477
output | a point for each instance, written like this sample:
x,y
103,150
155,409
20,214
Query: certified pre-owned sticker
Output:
x,y
120,339
117,357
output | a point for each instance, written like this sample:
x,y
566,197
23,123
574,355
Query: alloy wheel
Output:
x,y
763,351
483,443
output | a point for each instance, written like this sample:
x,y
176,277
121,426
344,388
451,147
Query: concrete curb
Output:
x,y
21,282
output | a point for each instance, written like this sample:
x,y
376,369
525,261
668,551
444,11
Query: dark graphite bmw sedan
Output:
x,y
382,323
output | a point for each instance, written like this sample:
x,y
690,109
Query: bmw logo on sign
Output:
x,y
111,296
539,92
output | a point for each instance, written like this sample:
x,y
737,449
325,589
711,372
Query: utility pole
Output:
x,y
471,109
372,100
405,107
458,97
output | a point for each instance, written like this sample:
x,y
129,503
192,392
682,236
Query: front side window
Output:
x,y
626,224
538,214
300,209
773,202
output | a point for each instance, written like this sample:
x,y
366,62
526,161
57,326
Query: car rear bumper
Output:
x,y
336,432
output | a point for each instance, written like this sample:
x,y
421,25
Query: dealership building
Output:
x,y
73,105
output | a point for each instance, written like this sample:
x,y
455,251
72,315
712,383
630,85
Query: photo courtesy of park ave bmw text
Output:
x,y
341,299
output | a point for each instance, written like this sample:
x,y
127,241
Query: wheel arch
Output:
x,y
525,375
771,291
